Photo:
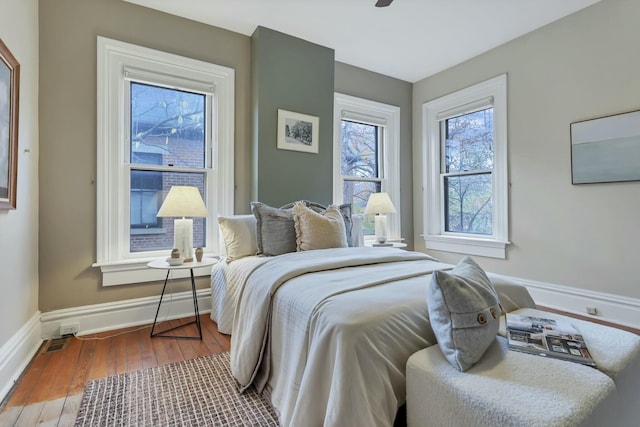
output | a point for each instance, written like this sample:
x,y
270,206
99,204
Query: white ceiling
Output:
x,y
409,40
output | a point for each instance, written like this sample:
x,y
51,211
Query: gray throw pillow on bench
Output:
x,y
464,311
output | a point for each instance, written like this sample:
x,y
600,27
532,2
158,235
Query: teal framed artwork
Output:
x,y
606,149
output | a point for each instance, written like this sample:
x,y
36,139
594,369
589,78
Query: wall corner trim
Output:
x,y
17,352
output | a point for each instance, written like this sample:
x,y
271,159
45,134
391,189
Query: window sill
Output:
x,y
467,245
127,272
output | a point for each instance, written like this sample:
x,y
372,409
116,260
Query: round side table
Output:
x,y
164,265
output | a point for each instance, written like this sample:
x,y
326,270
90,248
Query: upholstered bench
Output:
x,y
508,388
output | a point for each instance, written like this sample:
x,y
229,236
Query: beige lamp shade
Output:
x,y
183,201
379,203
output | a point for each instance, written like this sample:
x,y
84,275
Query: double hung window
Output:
x,y
163,120
466,180
366,150
466,171
361,165
169,135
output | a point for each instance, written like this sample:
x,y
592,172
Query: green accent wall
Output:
x,y
291,74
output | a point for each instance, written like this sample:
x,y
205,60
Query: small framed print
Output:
x,y
9,89
297,132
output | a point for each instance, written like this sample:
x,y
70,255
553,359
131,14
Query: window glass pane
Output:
x,y
169,122
359,150
148,190
468,204
469,142
145,189
357,193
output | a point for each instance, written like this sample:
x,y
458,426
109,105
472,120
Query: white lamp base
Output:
x,y
381,228
183,238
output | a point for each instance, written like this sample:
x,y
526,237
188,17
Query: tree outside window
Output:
x,y
360,165
467,174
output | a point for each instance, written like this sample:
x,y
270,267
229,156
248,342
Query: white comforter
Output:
x,y
227,281
329,333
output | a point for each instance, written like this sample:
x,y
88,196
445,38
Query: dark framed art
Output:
x,y
297,132
606,149
9,95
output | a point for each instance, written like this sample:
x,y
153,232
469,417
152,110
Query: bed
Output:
x,y
326,333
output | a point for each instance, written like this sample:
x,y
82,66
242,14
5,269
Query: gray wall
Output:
x,y
366,84
583,66
295,75
68,31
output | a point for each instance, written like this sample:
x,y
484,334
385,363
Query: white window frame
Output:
x,y
433,112
388,118
117,63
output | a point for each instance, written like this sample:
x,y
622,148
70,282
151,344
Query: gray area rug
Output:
x,y
197,392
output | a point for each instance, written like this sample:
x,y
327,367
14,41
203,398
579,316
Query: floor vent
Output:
x,y
57,344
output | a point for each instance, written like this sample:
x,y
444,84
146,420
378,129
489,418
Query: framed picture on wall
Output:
x,y
606,149
297,132
9,87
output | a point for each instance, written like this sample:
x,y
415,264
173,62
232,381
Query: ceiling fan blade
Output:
x,y
383,3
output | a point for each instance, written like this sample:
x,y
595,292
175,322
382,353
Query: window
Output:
x,y
163,120
167,129
467,165
360,151
366,156
466,181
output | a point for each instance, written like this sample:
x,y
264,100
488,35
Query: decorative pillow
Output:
x,y
464,312
345,210
239,235
275,230
357,233
318,230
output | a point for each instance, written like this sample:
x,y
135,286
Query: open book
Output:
x,y
547,337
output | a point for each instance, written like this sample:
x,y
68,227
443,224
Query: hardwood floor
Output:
x,y
50,390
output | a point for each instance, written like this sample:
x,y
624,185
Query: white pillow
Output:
x,y
239,234
357,233
316,230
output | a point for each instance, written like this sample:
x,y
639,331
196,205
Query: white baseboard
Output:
x,y
610,308
16,353
123,314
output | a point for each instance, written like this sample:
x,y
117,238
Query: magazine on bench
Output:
x,y
547,337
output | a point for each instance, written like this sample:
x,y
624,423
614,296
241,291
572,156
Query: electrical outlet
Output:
x,y
592,310
69,329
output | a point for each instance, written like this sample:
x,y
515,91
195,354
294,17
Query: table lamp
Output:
x,y
183,201
380,205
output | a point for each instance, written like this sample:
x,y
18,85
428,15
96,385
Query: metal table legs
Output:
x,y
162,334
